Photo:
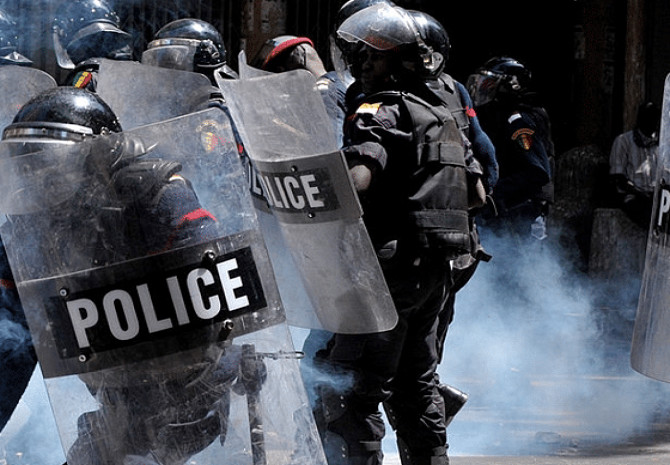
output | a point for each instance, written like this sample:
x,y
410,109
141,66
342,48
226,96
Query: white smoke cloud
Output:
x,y
544,355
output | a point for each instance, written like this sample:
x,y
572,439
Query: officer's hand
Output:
x,y
253,372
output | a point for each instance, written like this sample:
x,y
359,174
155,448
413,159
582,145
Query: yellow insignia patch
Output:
x,y
368,108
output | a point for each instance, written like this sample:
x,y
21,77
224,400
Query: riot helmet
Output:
x,y
189,44
9,42
288,52
85,29
62,114
392,30
55,145
340,48
501,79
434,35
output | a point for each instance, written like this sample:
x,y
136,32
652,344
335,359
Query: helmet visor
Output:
x,y
36,175
172,55
483,87
381,26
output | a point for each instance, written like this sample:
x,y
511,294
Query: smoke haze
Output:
x,y
543,351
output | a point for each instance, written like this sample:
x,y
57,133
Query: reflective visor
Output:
x,y
380,26
171,53
483,87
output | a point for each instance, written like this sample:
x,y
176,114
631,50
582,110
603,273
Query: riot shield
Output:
x,y
141,94
246,70
650,353
300,174
159,331
20,84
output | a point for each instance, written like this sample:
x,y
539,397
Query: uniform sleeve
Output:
x,y
481,143
186,221
529,147
333,92
532,167
370,130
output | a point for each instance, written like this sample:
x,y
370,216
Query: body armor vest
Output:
x,y
438,191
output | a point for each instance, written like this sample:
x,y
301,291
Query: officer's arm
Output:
x,y
370,130
481,143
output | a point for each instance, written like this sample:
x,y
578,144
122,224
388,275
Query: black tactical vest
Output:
x,y
438,191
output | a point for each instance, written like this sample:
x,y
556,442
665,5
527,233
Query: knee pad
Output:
x,y
454,399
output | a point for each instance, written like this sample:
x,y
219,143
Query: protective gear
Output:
x,y
454,400
9,42
70,113
432,32
131,89
392,29
150,328
301,179
25,83
286,53
340,48
500,78
85,29
650,354
189,44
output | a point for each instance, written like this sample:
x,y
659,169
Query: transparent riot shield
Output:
x,y
650,354
141,94
246,70
301,176
20,84
151,299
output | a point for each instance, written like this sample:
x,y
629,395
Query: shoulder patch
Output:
x,y
82,79
368,109
514,117
524,137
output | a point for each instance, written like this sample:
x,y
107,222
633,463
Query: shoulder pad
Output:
x,y
448,82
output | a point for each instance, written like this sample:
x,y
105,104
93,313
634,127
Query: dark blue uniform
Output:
x,y
524,149
333,91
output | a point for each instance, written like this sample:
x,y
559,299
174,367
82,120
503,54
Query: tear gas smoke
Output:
x,y
543,350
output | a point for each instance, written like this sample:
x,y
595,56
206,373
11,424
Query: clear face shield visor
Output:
x,y
483,87
380,26
42,167
171,53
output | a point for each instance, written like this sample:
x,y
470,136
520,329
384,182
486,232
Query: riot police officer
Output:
x,y
84,31
520,130
191,45
132,204
333,84
455,96
398,127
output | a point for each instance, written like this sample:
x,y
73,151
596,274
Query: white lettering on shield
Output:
x,y
664,206
292,192
124,319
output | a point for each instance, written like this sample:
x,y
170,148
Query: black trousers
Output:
x,y
396,367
